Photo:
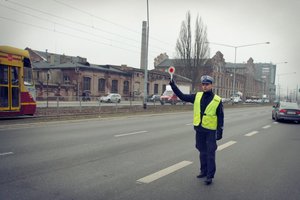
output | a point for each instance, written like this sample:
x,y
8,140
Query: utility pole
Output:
x,y
297,91
144,55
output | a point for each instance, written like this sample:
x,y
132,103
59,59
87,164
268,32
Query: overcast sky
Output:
x,y
109,31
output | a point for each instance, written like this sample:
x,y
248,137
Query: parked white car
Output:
x,y
112,97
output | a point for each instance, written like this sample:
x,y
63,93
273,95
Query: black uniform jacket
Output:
x,y
205,100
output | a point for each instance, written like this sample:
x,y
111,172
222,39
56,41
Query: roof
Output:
x,y
71,65
13,50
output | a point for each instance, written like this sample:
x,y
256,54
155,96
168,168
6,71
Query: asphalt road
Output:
x,y
149,157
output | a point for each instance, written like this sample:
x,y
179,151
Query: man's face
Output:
x,y
206,87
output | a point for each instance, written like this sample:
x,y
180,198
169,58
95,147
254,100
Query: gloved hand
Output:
x,y
172,82
219,134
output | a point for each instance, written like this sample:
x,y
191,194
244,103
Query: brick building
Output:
x,y
247,82
68,77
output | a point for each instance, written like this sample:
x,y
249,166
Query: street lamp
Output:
x,y
235,52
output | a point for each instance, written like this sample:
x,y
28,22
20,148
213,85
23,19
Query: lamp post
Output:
x,y
235,52
146,61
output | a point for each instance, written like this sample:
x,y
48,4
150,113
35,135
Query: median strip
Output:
x,y
251,133
133,133
152,177
227,144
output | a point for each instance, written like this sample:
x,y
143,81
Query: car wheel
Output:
x,y
108,101
119,101
276,118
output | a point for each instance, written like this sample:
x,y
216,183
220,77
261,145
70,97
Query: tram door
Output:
x,y
9,88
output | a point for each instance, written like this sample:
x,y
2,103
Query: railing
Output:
x,y
57,106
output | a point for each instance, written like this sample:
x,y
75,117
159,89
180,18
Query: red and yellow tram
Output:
x,y
17,90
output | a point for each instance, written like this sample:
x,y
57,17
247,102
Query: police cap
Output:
x,y
207,79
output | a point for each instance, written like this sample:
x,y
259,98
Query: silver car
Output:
x,y
286,111
112,97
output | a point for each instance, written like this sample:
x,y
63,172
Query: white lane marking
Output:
x,y
267,126
6,153
275,122
164,172
133,133
189,124
227,144
251,133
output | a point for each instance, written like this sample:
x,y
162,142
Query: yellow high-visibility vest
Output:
x,y
210,119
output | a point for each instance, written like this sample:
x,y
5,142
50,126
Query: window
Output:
x,y
27,72
163,88
66,79
14,76
148,89
3,75
28,75
126,87
114,86
155,88
101,85
86,83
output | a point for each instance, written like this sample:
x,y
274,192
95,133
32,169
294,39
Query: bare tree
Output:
x,y
192,57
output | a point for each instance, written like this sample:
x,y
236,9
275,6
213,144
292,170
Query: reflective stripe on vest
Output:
x,y
210,119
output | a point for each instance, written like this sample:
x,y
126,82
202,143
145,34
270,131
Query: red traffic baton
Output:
x,y
171,71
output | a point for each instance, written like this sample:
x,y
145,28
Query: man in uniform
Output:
x,y
208,124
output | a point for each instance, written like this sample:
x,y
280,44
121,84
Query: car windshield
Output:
x,y
289,105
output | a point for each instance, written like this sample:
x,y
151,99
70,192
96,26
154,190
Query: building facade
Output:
x,y
70,77
248,84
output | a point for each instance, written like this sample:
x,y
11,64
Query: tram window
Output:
x,y
3,97
15,97
27,72
3,75
27,62
28,76
14,76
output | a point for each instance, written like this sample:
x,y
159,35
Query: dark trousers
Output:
x,y
207,145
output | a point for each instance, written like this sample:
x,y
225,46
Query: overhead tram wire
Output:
x,y
107,21
76,22
69,20
68,34
92,15
56,23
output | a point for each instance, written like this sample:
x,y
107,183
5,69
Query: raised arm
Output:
x,y
184,97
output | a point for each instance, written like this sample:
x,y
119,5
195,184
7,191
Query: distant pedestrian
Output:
x,y
208,124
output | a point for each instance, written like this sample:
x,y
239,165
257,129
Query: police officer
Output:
x,y
208,124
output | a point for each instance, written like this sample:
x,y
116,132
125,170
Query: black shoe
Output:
x,y
201,175
208,181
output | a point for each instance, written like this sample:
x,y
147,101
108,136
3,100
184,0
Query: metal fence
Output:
x,y
93,105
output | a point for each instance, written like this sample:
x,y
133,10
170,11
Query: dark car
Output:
x,y
86,95
286,111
